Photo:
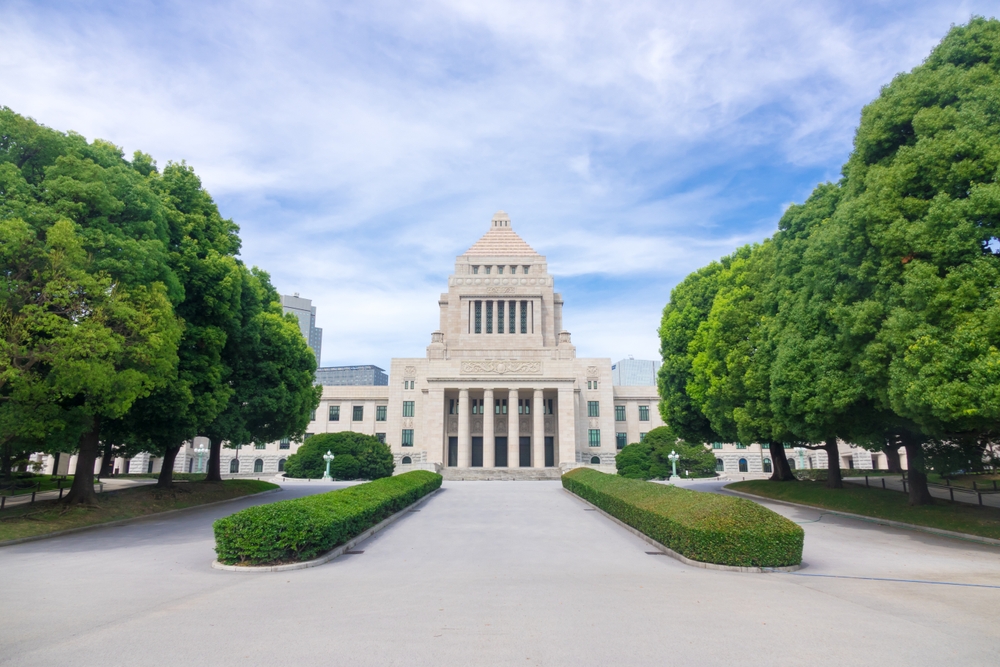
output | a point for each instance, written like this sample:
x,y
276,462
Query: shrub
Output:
x,y
648,459
705,527
304,528
356,456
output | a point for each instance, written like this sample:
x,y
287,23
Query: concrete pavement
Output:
x,y
498,573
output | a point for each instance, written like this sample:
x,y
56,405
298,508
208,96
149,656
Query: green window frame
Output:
x,y
381,437
500,313
358,413
381,412
621,440
407,408
335,413
489,315
619,413
594,437
644,413
716,445
407,437
593,408
285,443
642,436
479,317
257,445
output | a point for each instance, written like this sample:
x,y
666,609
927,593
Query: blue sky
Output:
x,y
361,146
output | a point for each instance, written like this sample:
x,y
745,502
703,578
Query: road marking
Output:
x,y
902,581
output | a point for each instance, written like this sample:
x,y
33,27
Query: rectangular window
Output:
x,y
513,270
621,439
451,406
285,444
548,406
501,406
524,406
525,269
475,269
257,445
524,317
716,445
479,317
594,437
407,437
619,413
488,270
500,270
381,437
500,317
380,412
642,436
593,408
407,408
335,413
740,445
359,413
312,417
644,413
512,309
489,317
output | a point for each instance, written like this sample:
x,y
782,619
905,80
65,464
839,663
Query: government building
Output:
x,y
500,391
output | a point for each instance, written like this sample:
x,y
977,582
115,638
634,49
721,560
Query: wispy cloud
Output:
x,y
362,145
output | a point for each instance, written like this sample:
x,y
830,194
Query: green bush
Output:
x,y
304,528
648,459
705,527
356,456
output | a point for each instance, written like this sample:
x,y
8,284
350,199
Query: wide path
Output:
x,y
497,573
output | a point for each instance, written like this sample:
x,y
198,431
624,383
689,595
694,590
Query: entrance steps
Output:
x,y
504,474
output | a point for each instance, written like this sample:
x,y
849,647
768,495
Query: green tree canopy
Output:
x,y
649,459
358,456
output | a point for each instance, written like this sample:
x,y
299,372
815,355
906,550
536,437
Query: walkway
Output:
x,y
497,573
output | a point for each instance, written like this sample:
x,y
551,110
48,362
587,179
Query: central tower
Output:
x,y
500,303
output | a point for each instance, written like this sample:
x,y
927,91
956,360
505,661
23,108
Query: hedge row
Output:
x,y
304,528
705,527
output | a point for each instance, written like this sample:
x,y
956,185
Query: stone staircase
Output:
x,y
500,474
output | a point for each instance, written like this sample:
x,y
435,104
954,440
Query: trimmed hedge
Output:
x,y
705,527
302,529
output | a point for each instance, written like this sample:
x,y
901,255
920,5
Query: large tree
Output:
x,y
271,371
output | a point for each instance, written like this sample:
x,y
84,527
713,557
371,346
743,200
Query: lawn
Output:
x,y
881,504
982,480
50,516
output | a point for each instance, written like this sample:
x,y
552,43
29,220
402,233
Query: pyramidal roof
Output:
x,y
501,240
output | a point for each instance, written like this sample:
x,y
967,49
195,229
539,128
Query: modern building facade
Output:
x,y
362,376
306,314
634,373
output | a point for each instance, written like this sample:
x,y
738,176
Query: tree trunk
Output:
x,y
214,460
166,478
833,477
782,472
916,475
82,491
108,460
891,450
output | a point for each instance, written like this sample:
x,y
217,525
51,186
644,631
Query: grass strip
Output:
x,y
50,516
302,529
705,527
881,504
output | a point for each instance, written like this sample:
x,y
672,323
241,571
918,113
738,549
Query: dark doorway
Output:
x,y
452,452
500,449
477,452
525,453
550,451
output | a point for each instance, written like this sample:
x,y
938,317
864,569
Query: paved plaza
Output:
x,y
497,573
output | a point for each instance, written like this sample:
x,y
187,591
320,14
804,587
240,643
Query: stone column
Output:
x,y
464,434
437,442
513,431
538,436
567,426
489,418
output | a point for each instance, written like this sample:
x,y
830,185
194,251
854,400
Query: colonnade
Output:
x,y
562,436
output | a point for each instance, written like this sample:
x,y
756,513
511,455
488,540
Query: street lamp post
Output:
x,y
200,451
328,457
674,458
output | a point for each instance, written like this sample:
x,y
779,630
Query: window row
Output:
x,y
258,465
477,406
358,412
620,413
506,317
488,269
621,439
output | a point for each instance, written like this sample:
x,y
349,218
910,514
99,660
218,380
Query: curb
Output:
x,y
329,555
940,532
684,559
122,522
